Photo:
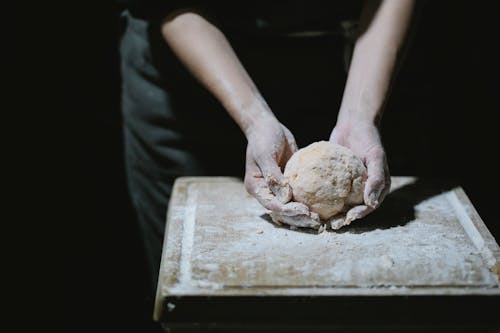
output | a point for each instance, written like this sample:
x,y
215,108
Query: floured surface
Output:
x,y
220,239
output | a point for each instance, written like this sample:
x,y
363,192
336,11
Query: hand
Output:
x,y
363,139
270,146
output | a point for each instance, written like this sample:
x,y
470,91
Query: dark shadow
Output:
x,y
398,207
396,210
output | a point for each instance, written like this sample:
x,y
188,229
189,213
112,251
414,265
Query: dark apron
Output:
x,y
173,127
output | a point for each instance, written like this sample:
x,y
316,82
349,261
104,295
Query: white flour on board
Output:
x,y
230,242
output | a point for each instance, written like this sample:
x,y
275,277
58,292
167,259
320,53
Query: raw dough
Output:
x,y
327,177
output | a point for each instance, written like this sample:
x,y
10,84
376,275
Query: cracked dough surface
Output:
x,y
327,177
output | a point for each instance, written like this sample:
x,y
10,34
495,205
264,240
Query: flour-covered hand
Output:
x,y
270,146
363,138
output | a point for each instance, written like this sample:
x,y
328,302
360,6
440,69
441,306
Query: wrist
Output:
x,y
349,123
359,117
253,114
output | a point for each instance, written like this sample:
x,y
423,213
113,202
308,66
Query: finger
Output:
x,y
387,181
375,182
301,221
295,209
275,179
292,213
257,187
354,213
358,212
310,220
337,222
386,187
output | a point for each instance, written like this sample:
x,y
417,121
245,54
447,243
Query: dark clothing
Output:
x,y
173,127
275,17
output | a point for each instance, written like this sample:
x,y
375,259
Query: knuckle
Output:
x,y
249,185
377,180
377,153
273,177
273,206
388,182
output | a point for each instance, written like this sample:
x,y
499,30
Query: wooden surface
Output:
x,y
426,239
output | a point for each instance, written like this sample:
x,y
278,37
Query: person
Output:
x,y
278,69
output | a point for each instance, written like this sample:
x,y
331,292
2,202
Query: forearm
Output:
x,y
376,53
207,54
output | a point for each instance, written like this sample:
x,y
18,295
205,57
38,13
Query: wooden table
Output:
x,y
423,259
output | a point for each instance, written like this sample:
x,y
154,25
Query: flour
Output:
x,y
236,245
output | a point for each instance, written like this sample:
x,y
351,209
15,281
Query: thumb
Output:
x,y
375,182
275,179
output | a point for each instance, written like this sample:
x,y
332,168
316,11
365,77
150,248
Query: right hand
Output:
x,y
270,146
363,138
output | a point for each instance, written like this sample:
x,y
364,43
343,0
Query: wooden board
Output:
x,y
426,239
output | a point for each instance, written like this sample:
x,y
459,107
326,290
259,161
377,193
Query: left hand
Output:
x,y
363,138
270,145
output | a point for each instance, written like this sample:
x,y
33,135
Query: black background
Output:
x,y
440,121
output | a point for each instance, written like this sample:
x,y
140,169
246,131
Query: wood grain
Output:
x,y
426,239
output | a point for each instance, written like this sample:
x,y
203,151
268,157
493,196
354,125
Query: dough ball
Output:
x,y
326,177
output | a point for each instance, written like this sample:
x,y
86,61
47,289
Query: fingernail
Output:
x,y
373,199
283,193
351,217
294,209
314,216
338,222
